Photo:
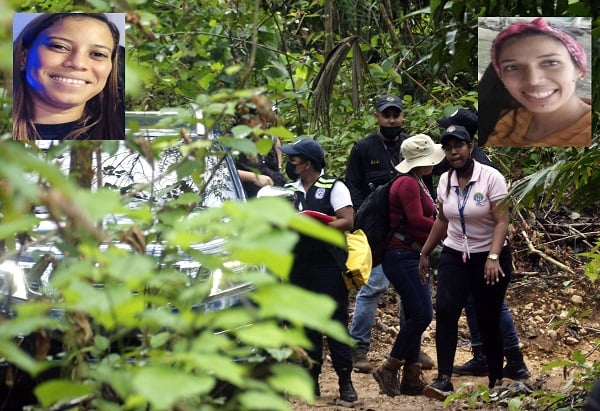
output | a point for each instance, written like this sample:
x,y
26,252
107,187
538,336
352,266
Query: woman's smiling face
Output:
x,y
538,71
68,64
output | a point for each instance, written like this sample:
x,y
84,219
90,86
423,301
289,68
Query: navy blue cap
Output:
x,y
458,132
307,148
388,100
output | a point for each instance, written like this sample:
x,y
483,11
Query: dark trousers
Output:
x,y
507,325
325,277
401,267
456,281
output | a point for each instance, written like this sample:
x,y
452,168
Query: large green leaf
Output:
x,y
293,380
23,224
55,391
270,334
263,400
164,386
300,306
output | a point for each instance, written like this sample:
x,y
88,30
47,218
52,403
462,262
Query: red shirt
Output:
x,y
408,198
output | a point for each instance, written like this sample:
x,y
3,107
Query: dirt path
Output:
x,y
540,307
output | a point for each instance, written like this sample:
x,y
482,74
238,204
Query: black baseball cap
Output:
x,y
388,100
462,117
307,148
458,132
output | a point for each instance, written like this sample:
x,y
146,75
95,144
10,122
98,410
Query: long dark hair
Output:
x,y
494,102
103,115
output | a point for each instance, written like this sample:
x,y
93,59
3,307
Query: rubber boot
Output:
x,y
475,366
347,392
387,376
412,380
515,367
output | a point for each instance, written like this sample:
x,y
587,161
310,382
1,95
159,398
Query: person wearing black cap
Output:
x,y
370,164
372,159
469,120
315,267
476,257
515,368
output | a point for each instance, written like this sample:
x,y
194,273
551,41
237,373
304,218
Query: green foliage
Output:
x,y
592,269
580,378
179,53
181,356
566,180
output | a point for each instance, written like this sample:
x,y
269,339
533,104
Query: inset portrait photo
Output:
x,y
68,76
535,81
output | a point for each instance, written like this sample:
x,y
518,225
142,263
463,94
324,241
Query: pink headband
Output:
x,y
575,49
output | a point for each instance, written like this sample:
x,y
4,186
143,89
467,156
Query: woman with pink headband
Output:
x,y
527,94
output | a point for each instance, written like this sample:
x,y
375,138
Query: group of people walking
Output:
x,y
464,214
468,194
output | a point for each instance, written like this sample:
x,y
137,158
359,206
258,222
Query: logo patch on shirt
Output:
x,y
320,193
478,198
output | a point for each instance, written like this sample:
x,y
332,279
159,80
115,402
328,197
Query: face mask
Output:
x,y
390,133
290,171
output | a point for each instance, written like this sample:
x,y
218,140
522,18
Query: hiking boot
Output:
x,y
387,376
425,360
475,366
360,363
412,382
440,389
347,391
515,367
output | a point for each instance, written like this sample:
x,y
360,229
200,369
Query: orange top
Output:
x,y
577,135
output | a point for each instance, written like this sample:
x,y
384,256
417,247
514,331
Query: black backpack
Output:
x,y
373,217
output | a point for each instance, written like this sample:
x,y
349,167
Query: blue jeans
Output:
x,y
401,267
365,307
507,325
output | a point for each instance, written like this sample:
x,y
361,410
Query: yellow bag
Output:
x,y
359,262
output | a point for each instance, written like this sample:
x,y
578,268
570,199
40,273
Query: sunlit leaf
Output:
x,y
164,386
53,391
259,400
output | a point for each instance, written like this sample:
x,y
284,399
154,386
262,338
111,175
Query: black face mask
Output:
x,y
290,171
390,133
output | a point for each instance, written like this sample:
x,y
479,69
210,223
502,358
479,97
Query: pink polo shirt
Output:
x,y
487,186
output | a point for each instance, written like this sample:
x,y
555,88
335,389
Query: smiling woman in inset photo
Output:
x,y
527,95
66,79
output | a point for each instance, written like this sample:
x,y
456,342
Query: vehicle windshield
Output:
x,y
157,182
149,181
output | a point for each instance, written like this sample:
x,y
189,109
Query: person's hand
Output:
x,y
424,268
263,180
492,272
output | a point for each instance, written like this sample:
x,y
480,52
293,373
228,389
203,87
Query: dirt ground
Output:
x,y
556,314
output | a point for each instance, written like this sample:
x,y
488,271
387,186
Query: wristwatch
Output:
x,y
493,257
